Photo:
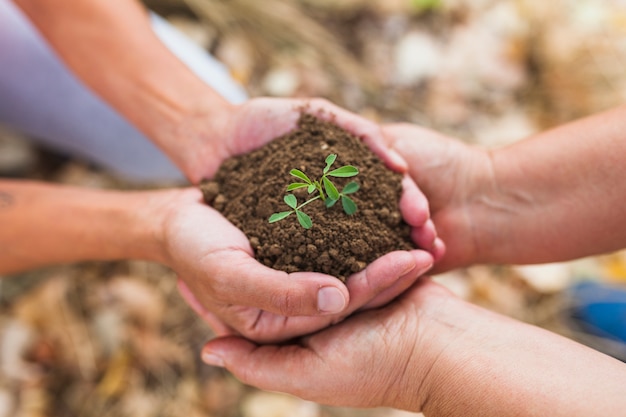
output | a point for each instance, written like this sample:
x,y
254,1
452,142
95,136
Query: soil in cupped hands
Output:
x,y
248,189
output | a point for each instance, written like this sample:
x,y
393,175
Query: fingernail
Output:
x,y
330,300
211,358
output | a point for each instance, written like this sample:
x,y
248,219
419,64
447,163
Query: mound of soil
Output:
x,y
249,188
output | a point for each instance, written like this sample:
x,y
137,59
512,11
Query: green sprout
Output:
x,y
326,191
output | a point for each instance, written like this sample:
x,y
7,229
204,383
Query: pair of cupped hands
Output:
x,y
247,303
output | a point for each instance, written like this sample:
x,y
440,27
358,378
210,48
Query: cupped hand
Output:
x,y
235,294
250,125
375,358
455,178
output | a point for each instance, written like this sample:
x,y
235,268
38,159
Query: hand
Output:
x,y
455,178
235,294
240,129
372,359
431,352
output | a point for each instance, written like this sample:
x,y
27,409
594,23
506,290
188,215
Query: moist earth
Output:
x,y
248,189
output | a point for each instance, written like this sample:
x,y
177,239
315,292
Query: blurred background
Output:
x,y
115,339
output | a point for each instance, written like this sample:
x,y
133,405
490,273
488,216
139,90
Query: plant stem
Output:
x,y
308,201
318,185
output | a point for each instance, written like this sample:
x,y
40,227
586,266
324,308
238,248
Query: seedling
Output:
x,y
325,190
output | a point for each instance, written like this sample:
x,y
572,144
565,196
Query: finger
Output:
x,y
383,274
425,236
423,263
241,280
218,326
439,250
413,203
269,367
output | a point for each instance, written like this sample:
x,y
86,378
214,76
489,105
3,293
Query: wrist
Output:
x,y
440,321
158,210
468,219
196,138
186,119
448,343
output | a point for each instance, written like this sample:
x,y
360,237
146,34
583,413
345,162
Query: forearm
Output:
x,y
500,367
558,195
47,224
113,49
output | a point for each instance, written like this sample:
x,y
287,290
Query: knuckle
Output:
x,y
287,302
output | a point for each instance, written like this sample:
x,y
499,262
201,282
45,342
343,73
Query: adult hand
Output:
x,y
240,129
455,178
431,352
368,360
236,294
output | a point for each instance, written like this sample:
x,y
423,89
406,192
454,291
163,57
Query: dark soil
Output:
x,y
249,188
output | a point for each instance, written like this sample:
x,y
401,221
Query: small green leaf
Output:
x,y
349,206
304,219
279,216
291,200
329,202
345,171
296,185
299,174
331,190
351,187
330,159
311,188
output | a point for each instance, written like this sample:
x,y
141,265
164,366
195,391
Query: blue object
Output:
x,y
600,309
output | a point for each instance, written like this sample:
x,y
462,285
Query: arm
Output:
x,y
112,48
46,224
555,196
569,183
434,353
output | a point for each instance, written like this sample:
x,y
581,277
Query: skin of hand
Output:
x,y
431,352
455,177
555,196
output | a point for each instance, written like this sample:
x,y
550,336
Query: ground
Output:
x,y
115,339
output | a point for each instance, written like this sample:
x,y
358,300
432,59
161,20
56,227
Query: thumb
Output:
x,y
241,280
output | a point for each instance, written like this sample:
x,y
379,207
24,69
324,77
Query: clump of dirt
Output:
x,y
249,188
